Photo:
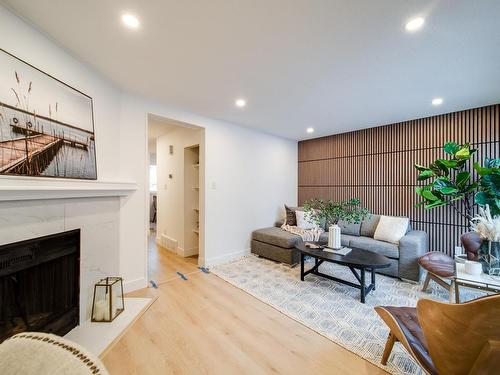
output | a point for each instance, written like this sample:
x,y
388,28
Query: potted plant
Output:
x,y
450,182
327,213
488,228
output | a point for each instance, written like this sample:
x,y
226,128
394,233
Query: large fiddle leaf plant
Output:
x,y
451,183
489,185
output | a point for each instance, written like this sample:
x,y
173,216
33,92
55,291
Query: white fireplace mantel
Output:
x,y
14,188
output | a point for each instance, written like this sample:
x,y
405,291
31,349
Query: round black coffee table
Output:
x,y
356,259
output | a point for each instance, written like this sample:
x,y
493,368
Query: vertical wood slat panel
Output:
x,y
376,165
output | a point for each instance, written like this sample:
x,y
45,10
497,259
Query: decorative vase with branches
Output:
x,y
487,227
328,212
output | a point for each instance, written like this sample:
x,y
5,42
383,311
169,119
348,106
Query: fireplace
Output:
x,y
39,284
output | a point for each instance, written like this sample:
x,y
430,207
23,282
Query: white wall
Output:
x,y
249,175
171,191
27,44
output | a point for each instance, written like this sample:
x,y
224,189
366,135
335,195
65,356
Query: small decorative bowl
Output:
x,y
473,268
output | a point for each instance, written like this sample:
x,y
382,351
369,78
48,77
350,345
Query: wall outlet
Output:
x,y
214,185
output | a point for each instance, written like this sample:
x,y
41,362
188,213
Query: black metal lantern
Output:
x,y
108,300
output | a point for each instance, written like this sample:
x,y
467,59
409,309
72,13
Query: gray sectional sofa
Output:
x,y
276,244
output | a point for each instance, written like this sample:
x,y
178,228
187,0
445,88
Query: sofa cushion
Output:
x,y
369,225
290,218
391,228
276,253
304,221
351,229
390,250
345,239
276,236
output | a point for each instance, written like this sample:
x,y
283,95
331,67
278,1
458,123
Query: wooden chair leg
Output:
x,y
388,348
426,282
457,292
451,290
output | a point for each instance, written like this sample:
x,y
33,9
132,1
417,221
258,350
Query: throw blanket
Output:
x,y
305,234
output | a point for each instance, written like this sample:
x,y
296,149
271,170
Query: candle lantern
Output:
x,y
108,299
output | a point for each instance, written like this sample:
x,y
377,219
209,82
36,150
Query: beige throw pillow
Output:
x,y
304,222
391,229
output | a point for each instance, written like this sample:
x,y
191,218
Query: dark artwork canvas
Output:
x,y
46,126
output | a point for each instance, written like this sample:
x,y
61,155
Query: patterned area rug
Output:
x,y
333,309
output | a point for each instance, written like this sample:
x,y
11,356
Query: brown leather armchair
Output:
x,y
447,338
471,242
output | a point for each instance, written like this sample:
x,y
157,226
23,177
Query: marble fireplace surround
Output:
x,y
98,218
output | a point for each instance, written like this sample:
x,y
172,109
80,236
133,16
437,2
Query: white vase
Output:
x,y
334,237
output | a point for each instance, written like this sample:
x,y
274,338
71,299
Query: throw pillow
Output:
x,y
369,225
351,229
290,218
391,229
303,221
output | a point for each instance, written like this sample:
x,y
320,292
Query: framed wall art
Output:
x,y
46,126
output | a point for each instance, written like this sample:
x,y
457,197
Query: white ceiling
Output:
x,y
158,126
334,65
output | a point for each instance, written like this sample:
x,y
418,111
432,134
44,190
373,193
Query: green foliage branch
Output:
x,y
328,212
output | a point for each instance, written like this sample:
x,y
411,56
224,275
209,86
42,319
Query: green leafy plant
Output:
x,y
489,185
328,212
452,184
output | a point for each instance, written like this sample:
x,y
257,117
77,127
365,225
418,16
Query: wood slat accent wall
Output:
x,y
376,165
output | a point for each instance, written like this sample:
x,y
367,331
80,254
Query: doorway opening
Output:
x,y
175,198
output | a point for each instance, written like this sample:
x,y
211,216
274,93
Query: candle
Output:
x,y
101,310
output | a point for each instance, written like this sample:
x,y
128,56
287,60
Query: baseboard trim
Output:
x,y
226,257
131,285
187,253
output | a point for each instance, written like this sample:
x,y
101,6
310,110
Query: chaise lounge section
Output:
x,y
279,245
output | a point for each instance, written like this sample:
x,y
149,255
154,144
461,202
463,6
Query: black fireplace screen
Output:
x,y
39,284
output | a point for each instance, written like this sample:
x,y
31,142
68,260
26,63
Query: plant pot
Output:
x,y
489,256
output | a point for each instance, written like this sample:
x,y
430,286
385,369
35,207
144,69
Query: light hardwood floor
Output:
x,y
164,264
207,326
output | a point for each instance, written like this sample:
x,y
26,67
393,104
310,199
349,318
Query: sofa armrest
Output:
x,y
411,247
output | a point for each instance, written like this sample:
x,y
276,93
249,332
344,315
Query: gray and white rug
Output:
x,y
332,309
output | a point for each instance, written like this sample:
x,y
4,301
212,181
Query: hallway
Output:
x,y
164,264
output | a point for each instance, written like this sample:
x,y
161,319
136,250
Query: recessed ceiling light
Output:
x,y
414,24
310,130
437,101
130,21
240,103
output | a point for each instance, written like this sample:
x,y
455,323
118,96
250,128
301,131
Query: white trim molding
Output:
x,y
187,253
225,258
17,188
135,284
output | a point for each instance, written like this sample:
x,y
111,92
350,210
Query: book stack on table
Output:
x,y
341,251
